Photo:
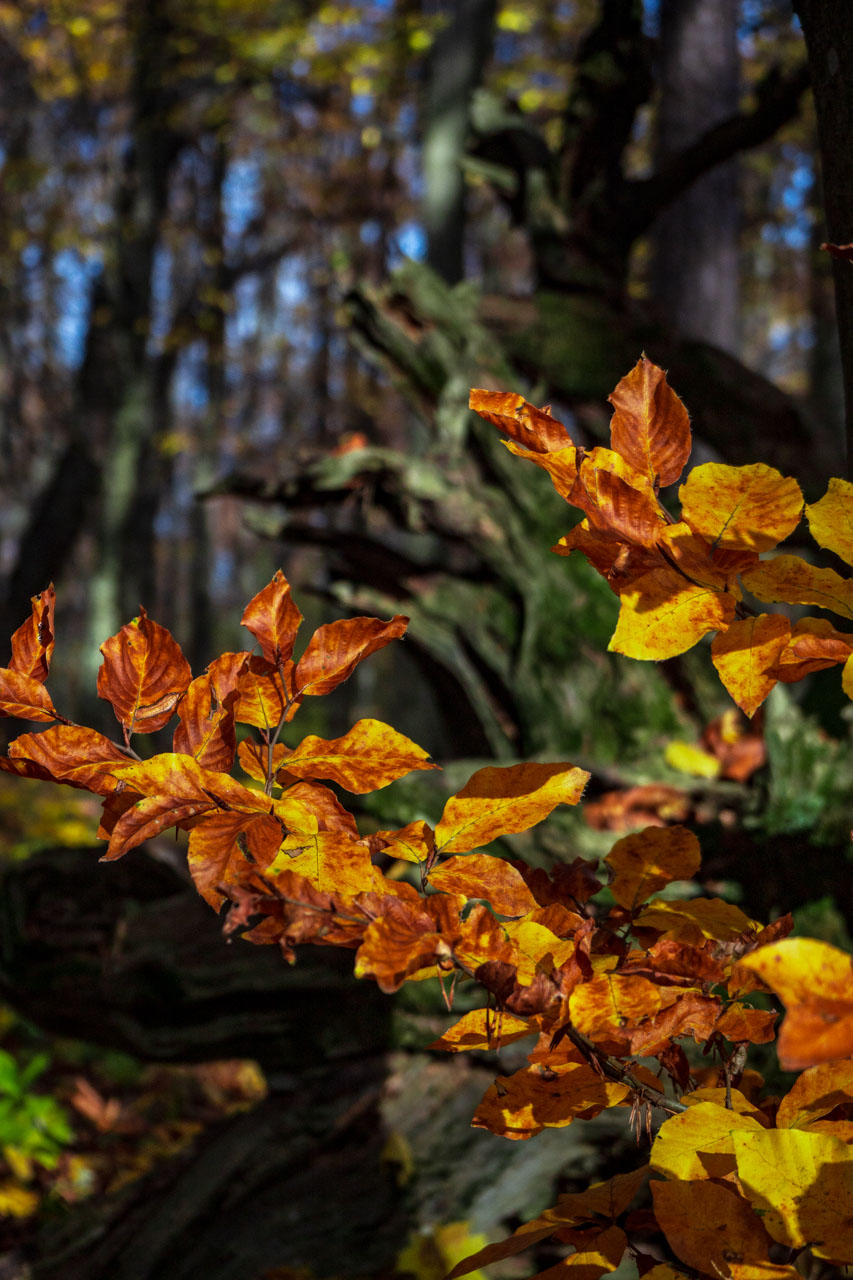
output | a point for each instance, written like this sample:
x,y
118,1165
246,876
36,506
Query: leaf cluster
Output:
x,y
609,992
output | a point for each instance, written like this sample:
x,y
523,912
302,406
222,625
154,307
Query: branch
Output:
x,y
778,101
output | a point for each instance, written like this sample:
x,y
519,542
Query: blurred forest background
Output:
x,y
253,253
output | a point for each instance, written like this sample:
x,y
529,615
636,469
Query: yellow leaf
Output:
x,y
370,755
610,1006
831,519
483,1029
480,876
815,981
794,581
707,917
502,801
744,654
802,1185
741,508
698,1143
17,1201
693,760
662,615
645,861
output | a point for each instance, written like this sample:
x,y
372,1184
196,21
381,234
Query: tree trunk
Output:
x,y
828,29
456,67
696,239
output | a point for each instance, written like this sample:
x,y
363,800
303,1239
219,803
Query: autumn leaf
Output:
x,y
206,713
413,843
794,581
477,875
483,1029
255,758
745,654
815,981
662,615
400,941
267,697
699,918
813,645
610,1006
173,788
24,697
743,1024
531,427
741,508
143,675
617,498
523,1104
215,855
369,756
502,801
699,1142
802,1185
819,1090
335,650
273,619
650,426
711,1228
831,519
646,861
33,642
324,805
333,861
560,464
73,755
691,1014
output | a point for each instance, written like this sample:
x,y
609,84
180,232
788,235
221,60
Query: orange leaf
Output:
x,y
741,508
691,1014
502,801
413,843
273,619
650,426
560,464
815,1093
174,788
618,498
536,1098
663,615
254,758
802,1185
699,1142
32,643
815,981
334,651
401,941
324,805
596,1254
206,713
609,1007
744,655
369,756
644,862
73,755
606,1200
265,698
741,1023
794,581
24,697
814,645
831,519
478,875
215,857
711,1228
531,427
143,675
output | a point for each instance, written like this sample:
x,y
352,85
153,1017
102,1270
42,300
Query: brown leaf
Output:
x,y
32,643
273,619
533,428
73,755
650,426
225,847
206,713
143,675
24,697
266,697
334,651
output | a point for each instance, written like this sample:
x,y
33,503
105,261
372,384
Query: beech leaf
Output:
x,y
794,581
741,508
646,861
273,619
367,757
33,642
533,428
24,697
831,519
143,675
662,615
745,654
335,650
477,875
650,426
502,801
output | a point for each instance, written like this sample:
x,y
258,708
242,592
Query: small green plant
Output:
x,y
33,1126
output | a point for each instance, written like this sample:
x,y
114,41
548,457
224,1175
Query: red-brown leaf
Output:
x,y
206,713
32,643
650,426
68,753
273,619
216,858
335,650
143,675
24,697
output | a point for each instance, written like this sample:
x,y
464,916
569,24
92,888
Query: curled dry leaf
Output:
x,y
33,642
